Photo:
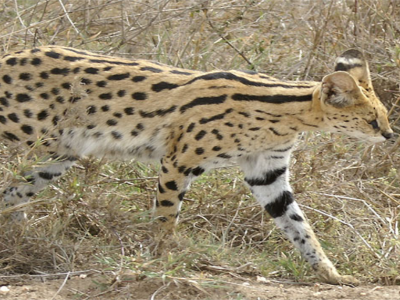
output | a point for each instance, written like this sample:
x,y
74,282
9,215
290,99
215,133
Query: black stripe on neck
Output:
x,y
275,99
245,81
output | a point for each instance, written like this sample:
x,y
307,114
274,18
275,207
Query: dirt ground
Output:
x,y
96,286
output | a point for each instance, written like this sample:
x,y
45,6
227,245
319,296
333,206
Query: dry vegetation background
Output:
x,y
96,220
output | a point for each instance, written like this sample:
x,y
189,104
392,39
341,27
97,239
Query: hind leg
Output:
x,y
36,180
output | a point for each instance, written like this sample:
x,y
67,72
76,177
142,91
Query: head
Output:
x,y
349,103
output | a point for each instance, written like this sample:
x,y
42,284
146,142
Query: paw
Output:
x,y
161,238
12,210
347,280
328,273
335,278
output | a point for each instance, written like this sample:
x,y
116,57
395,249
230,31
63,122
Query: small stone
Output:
x,y
4,290
262,279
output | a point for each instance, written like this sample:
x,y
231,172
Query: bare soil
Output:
x,y
94,287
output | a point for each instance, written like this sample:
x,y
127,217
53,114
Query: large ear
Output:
x,y
339,89
353,62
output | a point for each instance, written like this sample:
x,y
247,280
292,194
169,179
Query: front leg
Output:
x,y
267,177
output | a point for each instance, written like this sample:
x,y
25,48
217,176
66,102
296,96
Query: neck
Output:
x,y
294,105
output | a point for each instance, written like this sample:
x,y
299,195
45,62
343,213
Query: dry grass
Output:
x,y
97,217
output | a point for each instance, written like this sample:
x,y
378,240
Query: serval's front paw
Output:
x,y
329,274
162,238
348,280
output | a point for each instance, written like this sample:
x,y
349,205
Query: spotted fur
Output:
x,y
82,104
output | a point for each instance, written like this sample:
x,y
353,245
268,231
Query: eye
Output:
x,y
374,124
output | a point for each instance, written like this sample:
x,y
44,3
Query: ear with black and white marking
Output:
x,y
339,89
353,62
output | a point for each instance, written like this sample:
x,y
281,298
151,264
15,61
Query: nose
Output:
x,y
387,135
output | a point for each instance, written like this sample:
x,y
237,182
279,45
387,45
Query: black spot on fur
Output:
x,y
166,203
4,102
162,219
224,155
55,91
172,185
13,117
160,188
116,135
297,218
111,122
118,76
184,148
216,148
199,151
42,115
91,70
190,127
10,136
44,75
217,134
105,96
279,206
157,112
139,96
181,195
101,83
25,76
11,61
129,111
200,135
53,54
36,61
66,85
55,120
28,113
48,176
198,171
27,129
23,98
86,81
91,109
138,78
59,71
121,93
7,79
